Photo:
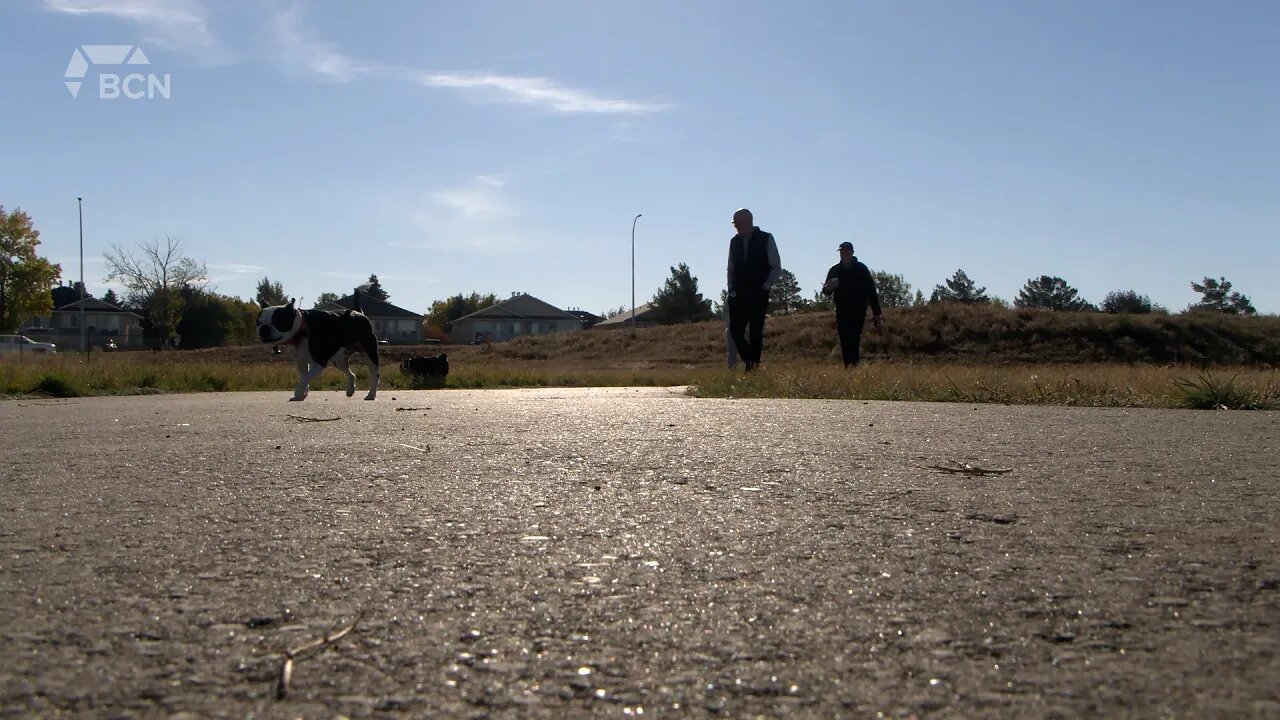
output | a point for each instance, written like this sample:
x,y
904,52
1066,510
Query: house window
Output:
x,y
534,327
515,328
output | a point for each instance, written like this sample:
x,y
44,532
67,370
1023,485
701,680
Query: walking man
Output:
x,y
754,267
853,287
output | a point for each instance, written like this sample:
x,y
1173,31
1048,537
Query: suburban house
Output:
x,y
644,318
102,320
391,323
520,314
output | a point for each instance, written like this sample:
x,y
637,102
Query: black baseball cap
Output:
x,y
846,246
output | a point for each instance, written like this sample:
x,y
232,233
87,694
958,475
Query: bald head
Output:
x,y
742,220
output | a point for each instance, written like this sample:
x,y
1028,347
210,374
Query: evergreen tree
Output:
x,y
269,293
679,300
784,296
1050,293
1217,297
959,288
373,289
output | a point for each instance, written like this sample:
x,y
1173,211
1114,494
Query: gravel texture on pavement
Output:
x,y
634,553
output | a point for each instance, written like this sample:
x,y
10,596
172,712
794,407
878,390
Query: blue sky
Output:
x,y
506,146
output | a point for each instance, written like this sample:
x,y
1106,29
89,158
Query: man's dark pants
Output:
x,y
849,322
746,311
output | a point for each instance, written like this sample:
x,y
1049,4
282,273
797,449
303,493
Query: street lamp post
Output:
x,y
83,345
633,270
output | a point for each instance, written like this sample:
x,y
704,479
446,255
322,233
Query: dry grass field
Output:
x,y
940,353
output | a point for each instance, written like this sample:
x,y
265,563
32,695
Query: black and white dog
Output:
x,y
437,366
319,337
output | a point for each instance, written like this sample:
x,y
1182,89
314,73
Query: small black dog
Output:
x,y
437,366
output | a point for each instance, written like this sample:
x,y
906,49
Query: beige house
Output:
x,y
102,320
644,318
390,322
520,314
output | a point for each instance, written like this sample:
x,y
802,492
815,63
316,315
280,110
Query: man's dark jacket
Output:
x,y
749,273
856,290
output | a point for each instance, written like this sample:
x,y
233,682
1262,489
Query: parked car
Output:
x,y
22,343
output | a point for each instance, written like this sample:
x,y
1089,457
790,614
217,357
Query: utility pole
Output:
x,y
84,345
633,270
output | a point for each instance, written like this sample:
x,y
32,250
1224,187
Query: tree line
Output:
x,y
171,291
679,299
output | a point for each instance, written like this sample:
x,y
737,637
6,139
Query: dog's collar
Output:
x,y
302,330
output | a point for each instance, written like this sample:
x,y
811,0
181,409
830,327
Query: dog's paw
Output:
x,y
295,398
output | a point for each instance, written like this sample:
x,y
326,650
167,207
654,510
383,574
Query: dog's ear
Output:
x,y
290,305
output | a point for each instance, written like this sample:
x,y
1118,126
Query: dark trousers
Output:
x,y
746,313
849,323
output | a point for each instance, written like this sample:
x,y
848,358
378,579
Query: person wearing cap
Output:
x,y
754,266
850,284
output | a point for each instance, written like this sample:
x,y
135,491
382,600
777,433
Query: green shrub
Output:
x,y
55,385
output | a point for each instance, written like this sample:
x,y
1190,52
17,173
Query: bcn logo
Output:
x,y
112,85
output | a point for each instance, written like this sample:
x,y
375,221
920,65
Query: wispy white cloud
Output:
x,y
479,200
537,91
237,268
473,216
301,48
175,24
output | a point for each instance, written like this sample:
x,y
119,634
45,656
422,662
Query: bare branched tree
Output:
x,y
155,277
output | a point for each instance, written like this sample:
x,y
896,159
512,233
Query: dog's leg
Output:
x,y
307,372
373,377
342,361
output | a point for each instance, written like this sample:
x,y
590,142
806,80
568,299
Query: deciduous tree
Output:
x,y
155,279
25,278
1126,301
443,312
894,290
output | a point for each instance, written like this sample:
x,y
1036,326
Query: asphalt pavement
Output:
x,y
634,553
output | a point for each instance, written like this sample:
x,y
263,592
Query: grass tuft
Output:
x,y
1207,392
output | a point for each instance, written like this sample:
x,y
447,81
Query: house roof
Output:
x,y
520,307
588,317
644,313
68,298
99,306
374,307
